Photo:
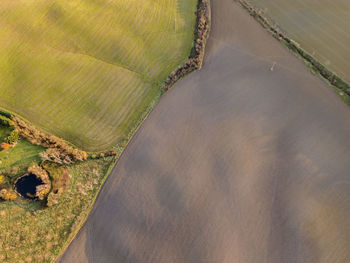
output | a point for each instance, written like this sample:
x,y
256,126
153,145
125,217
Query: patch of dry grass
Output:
x,y
30,232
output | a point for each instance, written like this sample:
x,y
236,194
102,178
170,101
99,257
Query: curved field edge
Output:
x,y
87,80
83,175
341,87
199,55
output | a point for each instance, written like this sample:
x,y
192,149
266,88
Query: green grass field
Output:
x,y
22,154
86,70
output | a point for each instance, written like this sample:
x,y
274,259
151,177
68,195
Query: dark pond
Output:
x,y
26,186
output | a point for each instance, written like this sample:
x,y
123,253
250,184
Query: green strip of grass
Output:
x,y
22,154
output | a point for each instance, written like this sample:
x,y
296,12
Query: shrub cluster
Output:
x,y
8,194
201,36
60,178
4,121
12,171
43,189
58,150
5,146
103,155
13,137
202,30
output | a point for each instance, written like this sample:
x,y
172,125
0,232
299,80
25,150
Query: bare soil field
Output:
x,y
321,27
244,161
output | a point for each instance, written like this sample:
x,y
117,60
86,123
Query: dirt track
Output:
x,y
237,163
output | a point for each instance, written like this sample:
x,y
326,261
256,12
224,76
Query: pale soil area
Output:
x,y
237,163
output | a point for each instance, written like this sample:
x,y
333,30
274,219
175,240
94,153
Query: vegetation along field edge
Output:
x,y
341,87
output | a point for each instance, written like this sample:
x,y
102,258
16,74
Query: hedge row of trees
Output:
x,y
201,35
58,150
103,155
13,137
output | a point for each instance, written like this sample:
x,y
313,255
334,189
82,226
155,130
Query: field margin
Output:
x,y
332,79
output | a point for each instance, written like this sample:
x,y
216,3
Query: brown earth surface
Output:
x,y
237,163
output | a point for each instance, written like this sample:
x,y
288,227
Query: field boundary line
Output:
x,y
341,87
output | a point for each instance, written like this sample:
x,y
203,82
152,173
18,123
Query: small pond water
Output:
x,y
26,186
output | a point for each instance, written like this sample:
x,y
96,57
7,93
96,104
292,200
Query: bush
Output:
x,y
8,194
5,146
5,121
13,137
